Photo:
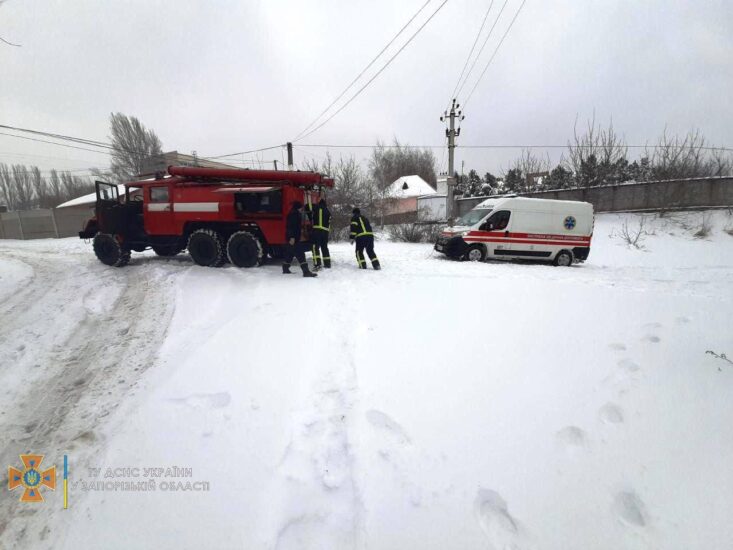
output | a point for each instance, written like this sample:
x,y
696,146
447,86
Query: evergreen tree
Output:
x,y
513,181
559,178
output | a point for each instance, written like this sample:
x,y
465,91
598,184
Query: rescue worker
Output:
x,y
321,217
361,232
292,241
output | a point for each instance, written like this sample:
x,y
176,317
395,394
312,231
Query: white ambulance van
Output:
x,y
514,228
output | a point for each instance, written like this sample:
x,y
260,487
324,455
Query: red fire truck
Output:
x,y
217,214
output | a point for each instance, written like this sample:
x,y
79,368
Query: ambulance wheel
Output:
x,y
476,253
564,258
109,251
206,248
244,249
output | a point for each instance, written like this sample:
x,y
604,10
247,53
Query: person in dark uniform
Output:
x,y
361,232
321,218
292,241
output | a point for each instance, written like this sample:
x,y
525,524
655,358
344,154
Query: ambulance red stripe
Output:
x,y
523,241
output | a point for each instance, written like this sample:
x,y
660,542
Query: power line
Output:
x,y
62,137
363,71
244,152
10,43
56,143
494,54
498,146
468,58
483,45
82,141
378,72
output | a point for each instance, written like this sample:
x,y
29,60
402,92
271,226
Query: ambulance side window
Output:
x,y
497,221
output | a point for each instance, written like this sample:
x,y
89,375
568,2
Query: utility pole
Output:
x,y
290,155
275,162
451,133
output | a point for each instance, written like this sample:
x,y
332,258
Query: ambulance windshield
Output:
x,y
473,217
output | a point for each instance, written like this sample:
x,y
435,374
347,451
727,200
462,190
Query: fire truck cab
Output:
x,y
219,215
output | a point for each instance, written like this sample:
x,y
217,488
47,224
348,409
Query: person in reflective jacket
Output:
x,y
292,241
321,218
361,232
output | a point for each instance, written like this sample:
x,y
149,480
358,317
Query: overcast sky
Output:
x,y
226,76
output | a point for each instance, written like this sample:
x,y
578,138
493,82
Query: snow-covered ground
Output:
x,y
434,404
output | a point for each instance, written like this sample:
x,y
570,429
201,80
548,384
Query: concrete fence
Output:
x,y
44,223
626,197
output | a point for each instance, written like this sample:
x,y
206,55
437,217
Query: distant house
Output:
x,y
403,193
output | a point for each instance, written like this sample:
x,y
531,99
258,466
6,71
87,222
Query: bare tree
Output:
x,y
676,158
720,163
7,190
596,155
22,187
633,236
132,145
387,164
43,196
54,188
525,172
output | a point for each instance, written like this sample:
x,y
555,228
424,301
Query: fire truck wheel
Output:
x,y
109,251
564,258
244,249
206,248
476,253
170,250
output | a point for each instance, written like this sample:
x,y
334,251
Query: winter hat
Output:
x,y
322,202
297,205
356,211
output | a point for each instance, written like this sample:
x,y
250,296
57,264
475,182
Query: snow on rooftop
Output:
x,y
410,186
89,199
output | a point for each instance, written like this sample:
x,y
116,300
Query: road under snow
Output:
x,y
434,404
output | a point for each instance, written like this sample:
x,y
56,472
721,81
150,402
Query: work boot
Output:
x,y
286,269
327,264
307,272
375,265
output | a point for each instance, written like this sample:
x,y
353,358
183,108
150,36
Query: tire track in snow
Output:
x,y
321,502
106,328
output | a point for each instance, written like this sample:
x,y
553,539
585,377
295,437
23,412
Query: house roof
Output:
x,y
410,186
88,200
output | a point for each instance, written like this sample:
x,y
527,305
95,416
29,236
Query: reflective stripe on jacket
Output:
x,y
360,227
321,218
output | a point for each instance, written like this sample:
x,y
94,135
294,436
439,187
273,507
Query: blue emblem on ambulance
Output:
x,y
569,223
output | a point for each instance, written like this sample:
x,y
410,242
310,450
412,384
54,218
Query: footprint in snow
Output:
x,y
610,413
500,527
630,509
629,366
682,320
650,326
653,338
380,420
572,439
208,400
617,346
